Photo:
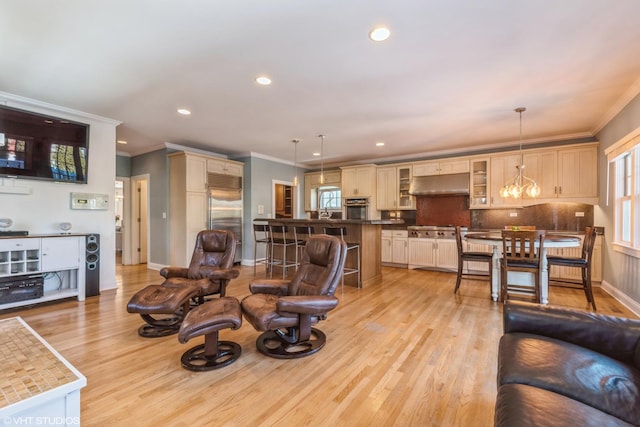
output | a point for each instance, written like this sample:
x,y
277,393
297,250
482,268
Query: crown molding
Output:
x,y
17,101
618,106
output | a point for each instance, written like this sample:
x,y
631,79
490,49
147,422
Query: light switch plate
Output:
x,y
513,214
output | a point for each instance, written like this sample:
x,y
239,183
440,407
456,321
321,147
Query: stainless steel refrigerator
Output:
x,y
225,206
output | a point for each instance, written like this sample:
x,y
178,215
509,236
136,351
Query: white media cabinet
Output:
x,y
59,257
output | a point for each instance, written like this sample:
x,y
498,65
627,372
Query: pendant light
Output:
x,y
520,184
321,136
295,160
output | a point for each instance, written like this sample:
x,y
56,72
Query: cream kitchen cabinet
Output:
x,y
188,198
395,247
359,181
441,167
566,174
225,167
195,172
393,188
479,185
331,178
422,253
447,254
386,246
310,196
312,180
433,253
578,173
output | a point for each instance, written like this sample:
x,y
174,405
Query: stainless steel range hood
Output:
x,y
440,185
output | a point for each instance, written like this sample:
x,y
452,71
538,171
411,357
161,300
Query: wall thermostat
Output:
x,y
91,201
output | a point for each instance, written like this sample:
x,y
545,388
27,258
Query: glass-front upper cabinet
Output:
x,y
405,200
479,188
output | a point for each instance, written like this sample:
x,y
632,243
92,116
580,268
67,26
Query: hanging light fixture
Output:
x,y
321,136
520,184
295,160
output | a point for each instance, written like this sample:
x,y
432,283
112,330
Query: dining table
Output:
x,y
551,240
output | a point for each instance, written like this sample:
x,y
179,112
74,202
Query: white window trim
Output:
x,y
615,154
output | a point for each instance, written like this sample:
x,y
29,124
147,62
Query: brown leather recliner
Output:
x,y
286,310
209,272
211,264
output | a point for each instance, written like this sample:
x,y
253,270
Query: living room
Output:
x,y
113,349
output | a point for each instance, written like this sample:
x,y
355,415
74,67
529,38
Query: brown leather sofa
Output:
x,y
565,367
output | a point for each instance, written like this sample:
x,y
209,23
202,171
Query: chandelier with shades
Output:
x,y
520,184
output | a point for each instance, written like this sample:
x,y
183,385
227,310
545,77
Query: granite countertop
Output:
x,y
565,232
333,221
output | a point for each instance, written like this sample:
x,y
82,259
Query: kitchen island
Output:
x,y
367,233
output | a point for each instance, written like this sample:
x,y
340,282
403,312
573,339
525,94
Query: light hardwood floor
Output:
x,y
403,352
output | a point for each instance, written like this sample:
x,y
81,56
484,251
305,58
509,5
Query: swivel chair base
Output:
x,y
157,328
275,344
213,354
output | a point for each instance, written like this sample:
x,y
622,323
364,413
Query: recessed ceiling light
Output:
x,y
379,34
184,111
121,141
263,80
316,154
379,144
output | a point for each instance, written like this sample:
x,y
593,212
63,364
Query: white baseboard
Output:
x,y
621,297
154,266
251,262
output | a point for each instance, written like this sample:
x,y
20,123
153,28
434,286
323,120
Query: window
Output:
x,y
625,159
329,198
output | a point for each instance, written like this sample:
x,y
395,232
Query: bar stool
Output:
x,y
261,236
342,232
279,240
300,234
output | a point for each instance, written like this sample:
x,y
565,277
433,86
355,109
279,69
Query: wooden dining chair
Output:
x,y
471,256
521,252
583,262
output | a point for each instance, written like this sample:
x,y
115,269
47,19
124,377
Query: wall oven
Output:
x,y
357,208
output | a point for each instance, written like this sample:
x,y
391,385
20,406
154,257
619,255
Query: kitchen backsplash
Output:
x,y
443,210
409,217
550,216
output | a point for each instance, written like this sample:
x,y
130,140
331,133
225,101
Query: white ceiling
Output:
x,y
446,81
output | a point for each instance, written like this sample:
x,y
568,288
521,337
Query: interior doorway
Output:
x,y
283,200
122,220
140,219
119,209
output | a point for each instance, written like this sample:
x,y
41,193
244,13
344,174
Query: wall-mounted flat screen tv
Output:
x,y
36,146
